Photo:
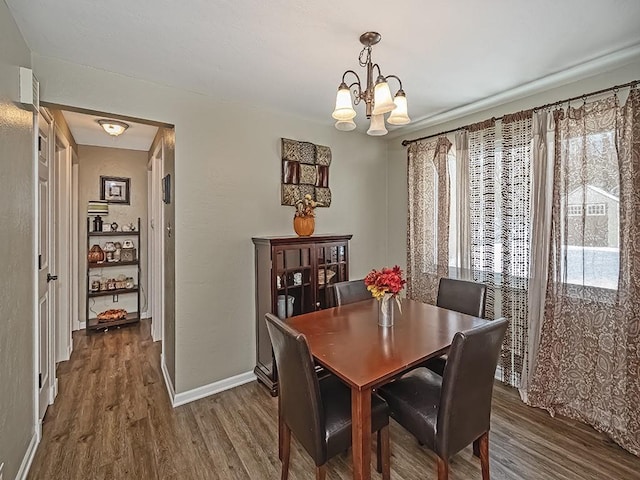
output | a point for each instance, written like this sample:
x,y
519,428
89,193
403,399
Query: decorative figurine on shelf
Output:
x,y
114,227
128,252
129,227
109,248
96,254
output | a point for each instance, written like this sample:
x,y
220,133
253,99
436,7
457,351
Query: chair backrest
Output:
x,y
350,292
300,401
467,386
462,296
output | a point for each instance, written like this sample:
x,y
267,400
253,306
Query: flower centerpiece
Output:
x,y
385,285
304,221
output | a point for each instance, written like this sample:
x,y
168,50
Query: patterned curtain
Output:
x,y
515,213
588,365
500,230
428,222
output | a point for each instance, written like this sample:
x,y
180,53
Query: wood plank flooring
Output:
x,y
113,420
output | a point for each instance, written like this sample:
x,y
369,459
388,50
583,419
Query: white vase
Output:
x,y
285,307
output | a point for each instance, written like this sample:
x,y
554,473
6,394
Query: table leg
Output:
x,y
361,433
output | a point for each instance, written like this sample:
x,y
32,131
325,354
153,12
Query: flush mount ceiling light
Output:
x,y
377,97
113,127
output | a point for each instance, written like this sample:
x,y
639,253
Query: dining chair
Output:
x,y
317,411
448,413
460,296
350,292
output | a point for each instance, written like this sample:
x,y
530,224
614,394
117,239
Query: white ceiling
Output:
x,y
289,55
86,131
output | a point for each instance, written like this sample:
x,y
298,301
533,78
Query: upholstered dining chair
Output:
x,y
460,296
317,412
448,413
350,292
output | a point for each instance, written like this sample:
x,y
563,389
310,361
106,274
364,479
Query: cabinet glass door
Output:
x,y
332,268
292,278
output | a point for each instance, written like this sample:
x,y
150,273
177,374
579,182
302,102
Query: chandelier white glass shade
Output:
x,y
377,128
113,127
377,98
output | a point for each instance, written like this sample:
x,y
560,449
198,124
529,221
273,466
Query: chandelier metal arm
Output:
x,y
397,78
357,93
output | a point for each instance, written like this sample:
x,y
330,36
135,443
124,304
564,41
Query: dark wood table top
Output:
x,y
348,341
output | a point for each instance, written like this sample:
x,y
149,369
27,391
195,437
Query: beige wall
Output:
x,y
113,162
397,154
226,190
17,206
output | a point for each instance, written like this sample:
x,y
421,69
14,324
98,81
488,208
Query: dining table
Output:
x,y
348,342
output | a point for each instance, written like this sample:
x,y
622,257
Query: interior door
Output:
x,y
45,248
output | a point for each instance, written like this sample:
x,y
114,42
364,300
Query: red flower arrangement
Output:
x,y
387,281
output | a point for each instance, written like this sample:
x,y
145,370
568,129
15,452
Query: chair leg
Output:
x,y
285,442
484,455
321,472
476,447
443,469
384,453
279,430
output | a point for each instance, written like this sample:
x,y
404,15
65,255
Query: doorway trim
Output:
x,y
64,254
156,242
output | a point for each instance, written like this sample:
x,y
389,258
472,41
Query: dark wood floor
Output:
x,y
113,420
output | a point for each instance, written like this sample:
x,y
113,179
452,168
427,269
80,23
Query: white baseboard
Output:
x,y
28,457
212,388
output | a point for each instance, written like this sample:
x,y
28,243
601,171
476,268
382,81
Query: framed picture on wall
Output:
x,y
115,189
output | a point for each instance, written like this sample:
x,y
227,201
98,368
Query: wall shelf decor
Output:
x,y
305,171
113,285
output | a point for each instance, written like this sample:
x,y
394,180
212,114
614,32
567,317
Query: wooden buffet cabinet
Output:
x,y
293,276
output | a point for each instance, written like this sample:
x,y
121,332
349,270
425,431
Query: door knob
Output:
x,y
51,277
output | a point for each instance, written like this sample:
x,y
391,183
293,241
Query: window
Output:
x,y
574,210
590,175
596,209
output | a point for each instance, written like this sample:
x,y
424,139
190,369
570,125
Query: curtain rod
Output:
x,y
547,105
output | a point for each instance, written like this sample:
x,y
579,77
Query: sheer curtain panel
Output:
x,y
540,226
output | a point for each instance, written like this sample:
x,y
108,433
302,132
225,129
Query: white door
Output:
x,y
45,276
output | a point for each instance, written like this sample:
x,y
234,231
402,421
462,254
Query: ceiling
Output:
x,y
289,55
86,131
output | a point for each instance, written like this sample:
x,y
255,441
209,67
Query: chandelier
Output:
x,y
377,98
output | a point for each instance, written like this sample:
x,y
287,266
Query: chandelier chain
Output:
x,y
368,56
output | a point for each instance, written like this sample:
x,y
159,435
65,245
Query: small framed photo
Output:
x,y
166,188
115,189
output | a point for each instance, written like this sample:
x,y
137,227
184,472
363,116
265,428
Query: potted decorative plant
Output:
x,y
304,222
385,285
